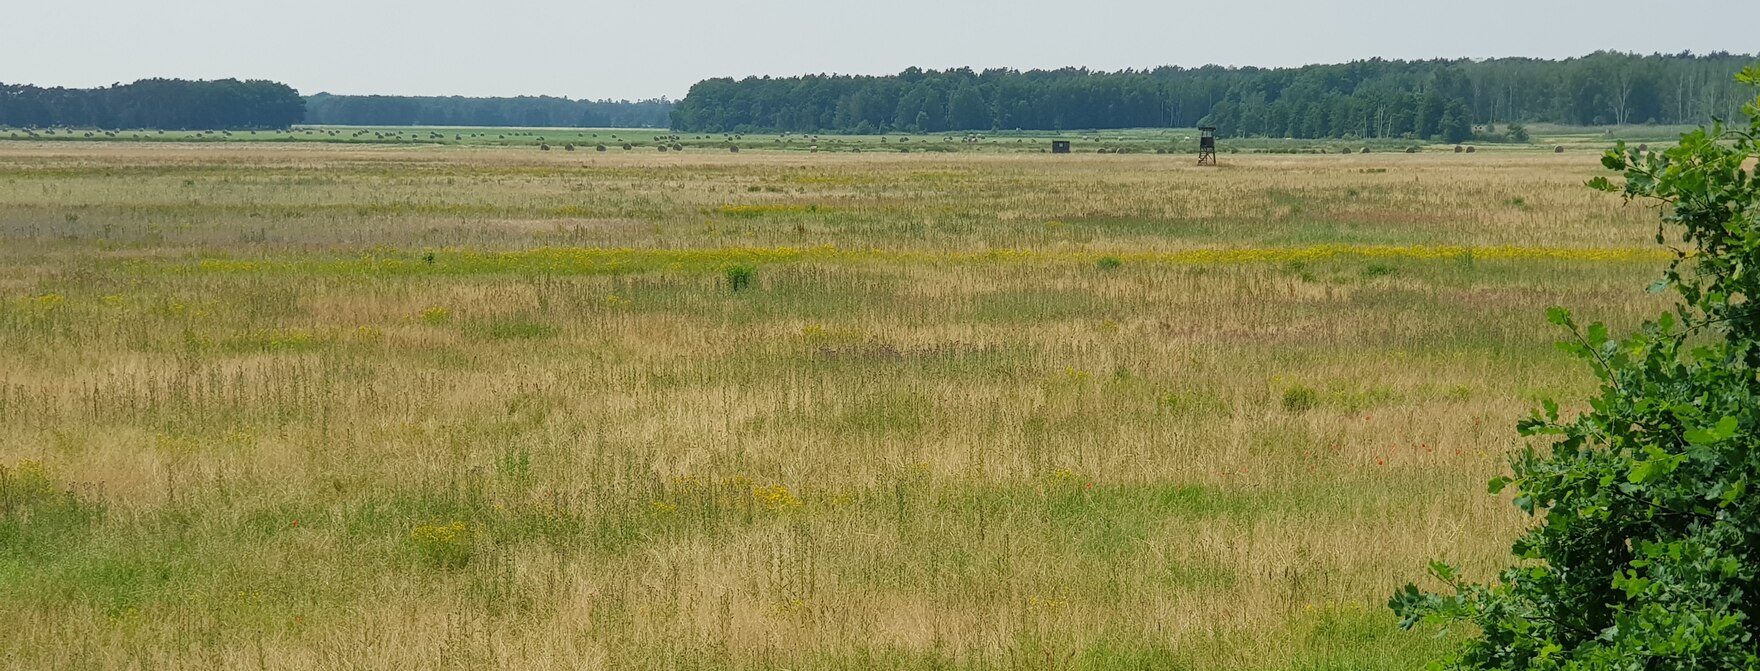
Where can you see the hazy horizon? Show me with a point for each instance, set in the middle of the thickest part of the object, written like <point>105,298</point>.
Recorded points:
<point>540,47</point>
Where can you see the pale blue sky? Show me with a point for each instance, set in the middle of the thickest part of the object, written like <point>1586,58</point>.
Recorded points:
<point>635,50</point>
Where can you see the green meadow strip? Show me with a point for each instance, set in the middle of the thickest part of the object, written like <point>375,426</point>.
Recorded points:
<point>598,260</point>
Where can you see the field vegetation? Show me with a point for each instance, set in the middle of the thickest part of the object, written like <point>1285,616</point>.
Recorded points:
<point>1172,141</point>
<point>310,405</point>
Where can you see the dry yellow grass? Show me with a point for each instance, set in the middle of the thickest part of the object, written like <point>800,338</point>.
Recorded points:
<point>325,407</point>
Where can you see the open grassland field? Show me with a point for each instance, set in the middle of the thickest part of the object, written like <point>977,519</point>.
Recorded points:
<point>1178,141</point>
<point>313,406</point>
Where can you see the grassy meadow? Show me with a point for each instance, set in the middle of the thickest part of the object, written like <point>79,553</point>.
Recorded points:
<point>321,406</point>
<point>1545,137</point>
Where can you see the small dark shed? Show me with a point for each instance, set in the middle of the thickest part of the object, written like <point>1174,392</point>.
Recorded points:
<point>1060,146</point>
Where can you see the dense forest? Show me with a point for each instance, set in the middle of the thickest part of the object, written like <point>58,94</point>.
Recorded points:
<point>174,104</point>
<point>1440,99</point>
<point>171,104</point>
<point>542,111</point>
<point>1434,99</point>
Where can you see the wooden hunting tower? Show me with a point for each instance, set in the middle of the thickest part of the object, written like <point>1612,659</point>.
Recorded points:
<point>1060,146</point>
<point>1207,145</point>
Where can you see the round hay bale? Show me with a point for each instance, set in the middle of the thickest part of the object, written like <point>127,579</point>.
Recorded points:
<point>1411,150</point>
<point>1558,149</point>
<point>544,147</point>
<point>600,147</point>
<point>1365,150</point>
<point>1344,150</point>
<point>1458,149</point>
<point>1643,147</point>
<point>1469,150</point>
<point>733,149</point>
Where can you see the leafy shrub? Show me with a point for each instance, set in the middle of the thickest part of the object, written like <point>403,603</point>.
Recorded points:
<point>1646,549</point>
<point>739,277</point>
<point>1300,398</point>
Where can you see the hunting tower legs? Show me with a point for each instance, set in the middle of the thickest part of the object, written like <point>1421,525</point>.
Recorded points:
<point>1207,146</point>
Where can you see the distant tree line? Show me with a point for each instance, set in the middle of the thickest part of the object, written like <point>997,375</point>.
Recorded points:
<point>176,104</point>
<point>171,104</point>
<point>1434,99</point>
<point>541,111</point>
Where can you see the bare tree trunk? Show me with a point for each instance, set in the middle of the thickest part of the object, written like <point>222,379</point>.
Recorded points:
<point>1622,96</point>
<point>1680,97</point>
<point>1708,103</point>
